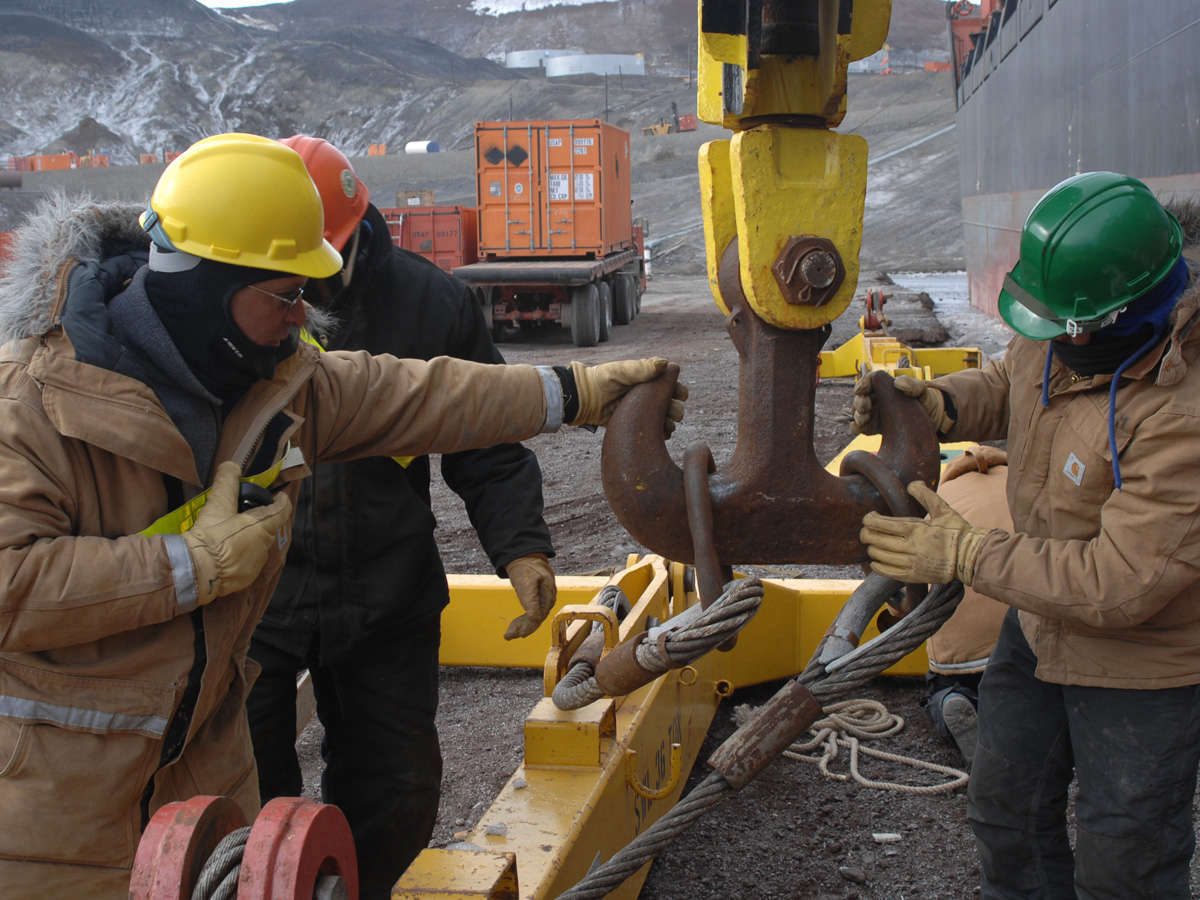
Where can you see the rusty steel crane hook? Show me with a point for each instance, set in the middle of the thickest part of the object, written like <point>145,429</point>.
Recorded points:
<point>774,502</point>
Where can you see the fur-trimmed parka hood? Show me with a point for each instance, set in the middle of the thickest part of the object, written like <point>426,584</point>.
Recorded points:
<point>60,231</point>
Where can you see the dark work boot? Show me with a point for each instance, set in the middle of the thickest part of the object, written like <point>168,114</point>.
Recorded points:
<point>963,723</point>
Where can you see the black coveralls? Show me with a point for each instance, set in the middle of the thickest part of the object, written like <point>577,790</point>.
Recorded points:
<point>360,599</point>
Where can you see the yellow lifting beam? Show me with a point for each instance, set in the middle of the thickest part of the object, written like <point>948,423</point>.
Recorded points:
<point>878,350</point>
<point>594,778</point>
<point>873,348</point>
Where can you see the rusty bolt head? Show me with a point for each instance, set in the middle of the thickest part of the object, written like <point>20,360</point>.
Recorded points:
<point>808,270</point>
<point>819,268</point>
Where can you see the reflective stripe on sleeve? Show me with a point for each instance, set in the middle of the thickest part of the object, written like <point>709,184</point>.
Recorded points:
<point>182,571</point>
<point>554,398</point>
<point>76,717</point>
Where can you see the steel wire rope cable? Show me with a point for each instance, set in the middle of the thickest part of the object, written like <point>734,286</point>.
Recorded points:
<point>675,643</point>
<point>218,877</point>
<point>848,724</point>
<point>842,675</point>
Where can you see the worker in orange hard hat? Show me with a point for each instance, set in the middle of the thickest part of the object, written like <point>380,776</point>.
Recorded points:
<point>360,598</point>
<point>154,389</point>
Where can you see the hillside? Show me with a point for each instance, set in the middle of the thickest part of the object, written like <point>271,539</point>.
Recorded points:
<point>912,218</point>
<point>156,76</point>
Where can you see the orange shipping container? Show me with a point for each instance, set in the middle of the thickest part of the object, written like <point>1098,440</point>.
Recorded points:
<point>51,161</point>
<point>6,239</point>
<point>688,122</point>
<point>445,235</point>
<point>557,188</point>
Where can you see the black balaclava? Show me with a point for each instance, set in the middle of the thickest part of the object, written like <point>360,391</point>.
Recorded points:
<point>194,306</point>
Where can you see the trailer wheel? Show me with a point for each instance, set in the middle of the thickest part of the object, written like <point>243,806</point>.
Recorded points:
<point>624,299</point>
<point>585,315</point>
<point>606,310</point>
<point>485,296</point>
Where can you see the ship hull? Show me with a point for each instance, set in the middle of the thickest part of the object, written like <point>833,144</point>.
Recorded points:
<point>1069,86</point>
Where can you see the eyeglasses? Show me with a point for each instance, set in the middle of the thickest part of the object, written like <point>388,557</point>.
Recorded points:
<point>286,301</point>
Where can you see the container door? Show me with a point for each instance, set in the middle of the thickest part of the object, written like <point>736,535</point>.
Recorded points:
<point>447,237</point>
<point>573,186</point>
<point>507,166</point>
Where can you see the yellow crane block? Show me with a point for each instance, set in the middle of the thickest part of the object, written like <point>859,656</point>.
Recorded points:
<point>732,85</point>
<point>791,182</point>
<point>770,184</point>
<point>785,177</point>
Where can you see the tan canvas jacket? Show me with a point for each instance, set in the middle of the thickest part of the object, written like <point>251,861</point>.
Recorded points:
<point>97,632</point>
<point>1107,581</point>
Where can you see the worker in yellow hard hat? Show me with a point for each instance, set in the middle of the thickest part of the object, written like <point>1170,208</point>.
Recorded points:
<point>360,598</point>
<point>154,390</point>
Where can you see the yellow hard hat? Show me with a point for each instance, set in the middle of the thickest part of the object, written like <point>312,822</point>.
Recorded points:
<point>244,200</point>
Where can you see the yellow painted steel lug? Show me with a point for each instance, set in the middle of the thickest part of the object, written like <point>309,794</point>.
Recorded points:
<point>568,737</point>
<point>771,184</point>
<point>564,646</point>
<point>681,587</point>
<point>796,182</point>
<point>460,875</point>
<point>736,81</point>
<point>716,202</point>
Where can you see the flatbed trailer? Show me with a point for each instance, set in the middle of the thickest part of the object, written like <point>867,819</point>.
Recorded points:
<point>588,296</point>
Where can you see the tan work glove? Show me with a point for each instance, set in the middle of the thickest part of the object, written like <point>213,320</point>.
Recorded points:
<point>533,580</point>
<point>935,550</point>
<point>229,548</point>
<point>866,417</point>
<point>601,388</point>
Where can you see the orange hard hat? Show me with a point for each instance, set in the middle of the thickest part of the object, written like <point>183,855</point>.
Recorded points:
<point>343,194</point>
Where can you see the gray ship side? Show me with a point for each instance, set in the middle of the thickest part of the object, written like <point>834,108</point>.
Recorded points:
<point>1051,88</point>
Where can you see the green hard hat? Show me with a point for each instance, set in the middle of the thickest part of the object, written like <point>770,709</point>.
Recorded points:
<point>1094,243</point>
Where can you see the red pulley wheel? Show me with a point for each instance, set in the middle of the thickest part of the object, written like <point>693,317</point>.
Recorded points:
<point>294,843</point>
<point>176,844</point>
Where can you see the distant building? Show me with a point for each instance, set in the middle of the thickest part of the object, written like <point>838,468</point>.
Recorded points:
<point>532,59</point>
<point>596,64</point>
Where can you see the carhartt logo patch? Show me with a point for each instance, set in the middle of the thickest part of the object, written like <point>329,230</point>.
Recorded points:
<point>1074,468</point>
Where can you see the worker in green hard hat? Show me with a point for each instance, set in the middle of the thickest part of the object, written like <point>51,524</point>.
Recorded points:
<point>1096,672</point>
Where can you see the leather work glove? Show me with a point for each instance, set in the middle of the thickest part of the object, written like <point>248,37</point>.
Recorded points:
<point>229,548</point>
<point>533,580</point>
<point>935,550</point>
<point>933,401</point>
<point>601,387</point>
